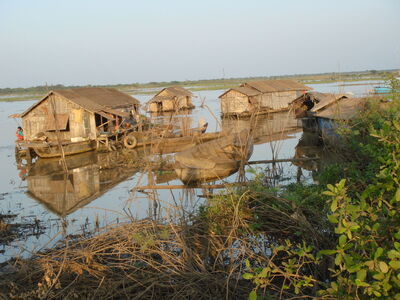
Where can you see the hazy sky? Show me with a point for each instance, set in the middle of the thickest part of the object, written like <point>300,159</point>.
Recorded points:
<point>79,42</point>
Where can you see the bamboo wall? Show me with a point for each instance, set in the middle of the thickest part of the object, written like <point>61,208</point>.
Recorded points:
<point>81,123</point>
<point>175,102</point>
<point>234,102</point>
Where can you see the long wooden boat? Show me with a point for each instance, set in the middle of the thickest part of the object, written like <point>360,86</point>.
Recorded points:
<point>215,159</point>
<point>53,149</point>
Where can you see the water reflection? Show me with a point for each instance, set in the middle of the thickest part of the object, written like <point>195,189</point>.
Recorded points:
<point>89,176</point>
<point>265,128</point>
<point>315,154</point>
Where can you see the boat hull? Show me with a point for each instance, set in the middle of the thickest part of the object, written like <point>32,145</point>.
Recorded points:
<point>69,149</point>
<point>194,175</point>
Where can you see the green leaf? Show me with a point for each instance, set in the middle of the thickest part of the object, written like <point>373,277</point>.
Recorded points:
<point>393,254</point>
<point>338,259</point>
<point>327,252</point>
<point>378,276</point>
<point>248,276</point>
<point>370,264</point>
<point>376,293</point>
<point>362,274</point>
<point>397,246</point>
<point>397,195</point>
<point>331,187</point>
<point>334,205</point>
<point>253,295</point>
<point>333,219</point>
<point>342,240</point>
<point>395,264</point>
<point>248,264</point>
<point>341,183</point>
<point>378,253</point>
<point>328,193</point>
<point>264,273</point>
<point>383,267</point>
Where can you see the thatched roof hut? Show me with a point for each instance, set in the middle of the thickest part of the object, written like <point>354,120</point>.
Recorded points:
<point>312,102</point>
<point>77,113</point>
<point>257,97</point>
<point>171,99</point>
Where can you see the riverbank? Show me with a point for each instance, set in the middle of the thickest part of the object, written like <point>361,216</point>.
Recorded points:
<point>23,94</point>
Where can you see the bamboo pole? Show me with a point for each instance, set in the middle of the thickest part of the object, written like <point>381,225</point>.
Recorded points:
<point>272,161</point>
<point>177,187</point>
<point>64,162</point>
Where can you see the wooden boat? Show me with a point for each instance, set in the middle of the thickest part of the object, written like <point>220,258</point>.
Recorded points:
<point>52,149</point>
<point>215,159</point>
<point>166,137</point>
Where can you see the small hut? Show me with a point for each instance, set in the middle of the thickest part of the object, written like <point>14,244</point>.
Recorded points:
<point>170,99</point>
<point>75,115</point>
<point>312,102</point>
<point>322,113</point>
<point>259,97</point>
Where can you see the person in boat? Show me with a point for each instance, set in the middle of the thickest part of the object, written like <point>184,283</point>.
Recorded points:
<point>19,134</point>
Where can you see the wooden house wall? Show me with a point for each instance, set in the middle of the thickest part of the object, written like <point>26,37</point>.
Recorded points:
<point>234,102</point>
<point>173,103</point>
<point>277,100</point>
<point>181,102</point>
<point>168,105</point>
<point>189,102</point>
<point>81,122</point>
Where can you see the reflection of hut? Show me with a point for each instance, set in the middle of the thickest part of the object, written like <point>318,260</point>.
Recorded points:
<point>171,99</point>
<point>258,97</point>
<point>74,116</point>
<point>89,176</point>
<point>65,193</point>
<point>266,128</point>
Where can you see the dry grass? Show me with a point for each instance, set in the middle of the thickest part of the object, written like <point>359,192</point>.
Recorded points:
<point>140,260</point>
<point>200,258</point>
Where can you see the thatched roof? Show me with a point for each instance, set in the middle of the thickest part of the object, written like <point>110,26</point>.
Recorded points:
<point>325,100</point>
<point>243,90</point>
<point>92,99</point>
<point>281,85</point>
<point>344,109</point>
<point>173,91</point>
<point>320,100</point>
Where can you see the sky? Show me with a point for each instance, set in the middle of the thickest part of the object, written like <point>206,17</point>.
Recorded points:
<point>80,42</point>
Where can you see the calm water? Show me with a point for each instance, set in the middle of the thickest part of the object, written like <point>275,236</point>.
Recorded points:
<point>97,190</point>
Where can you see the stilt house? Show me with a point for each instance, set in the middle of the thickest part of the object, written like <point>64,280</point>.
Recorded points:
<point>259,97</point>
<point>77,114</point>
<point>171,99</point>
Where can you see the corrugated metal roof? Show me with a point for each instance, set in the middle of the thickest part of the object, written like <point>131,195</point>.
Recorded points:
<point>281,85</point>
<point>93,99</point>
<point>174,91</point>
<point>344,109</point>
<point>243,90</point>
